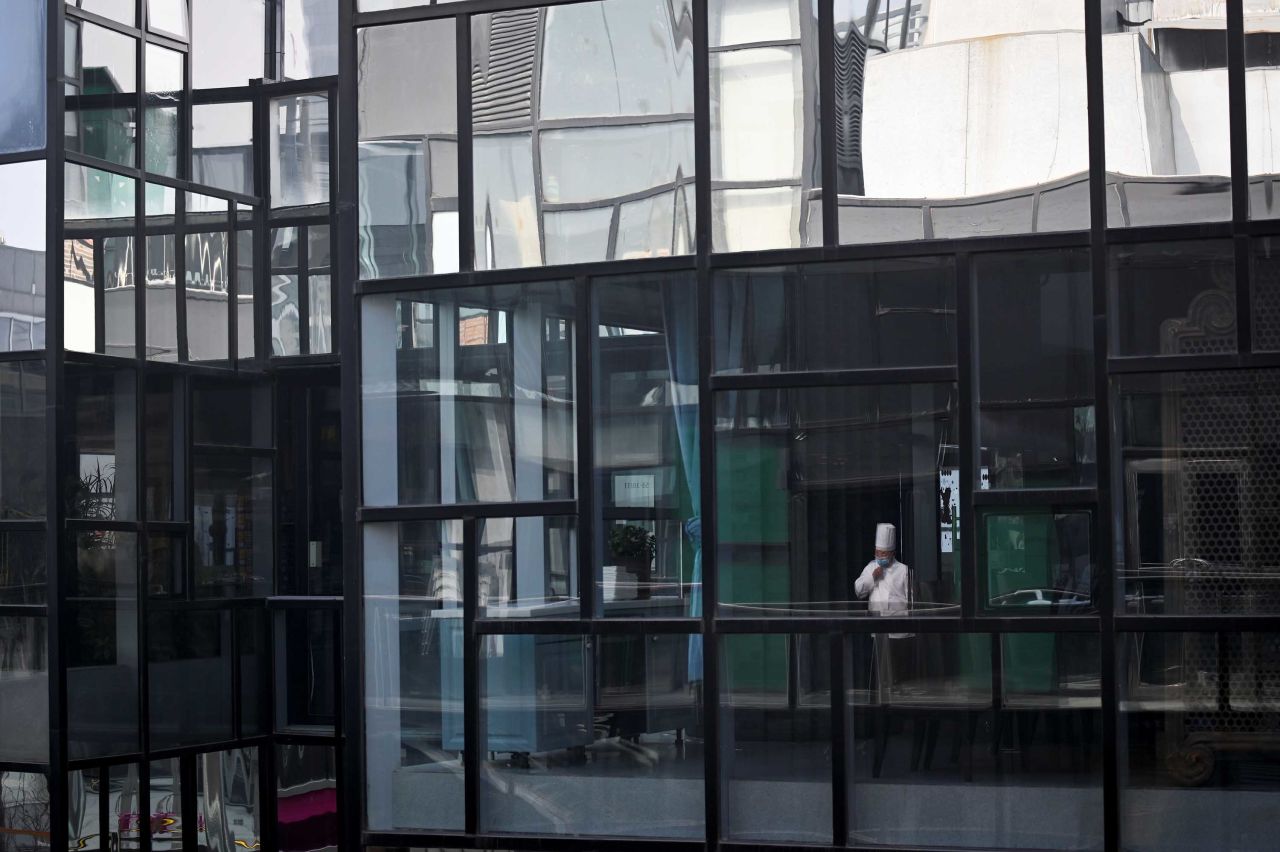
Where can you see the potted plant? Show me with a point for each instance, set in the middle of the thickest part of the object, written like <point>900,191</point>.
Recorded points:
<point>633,548</point>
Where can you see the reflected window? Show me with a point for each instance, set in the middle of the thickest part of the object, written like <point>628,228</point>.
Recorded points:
<point>222,153</point>
<point>1037,562</point>
<point>207,297</point>
<point>162,297</point>
<point>101,84</point>
<point>165,93</point>
<point>1173,298</point>
<point>302,320</point>
<point>23,437</point>
<point>100,445</point>
<point>22,254</point>
<point>528,567</point>
<point>299,139</point>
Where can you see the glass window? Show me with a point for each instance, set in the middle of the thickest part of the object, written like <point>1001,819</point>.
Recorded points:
<point>877,313</point>
<point>469,395</point>
<point>528,567</point>
<point>80,294</point>
<point>93,197</point>
<point>228,38</point>
<point>222,146</point>
<point>169,16</point>
<point>307,659</point>
<point>1265,274</point>
<point>228,797</point>
<point>233,542</point>
<point>1038,562</point>
<point>319,291</point>
<point>255,667</point>
<point>118,293</point>
<point>101,92</point>
<point>775,738</point>
<point>23,436</point>
<point>286,314</point>
<point>766,168</point>
<point>934,760</point>
<point>299,151</point>
<point>1197,723</point>
<point>1173,298</point>
<point>943,128</point>
<point>119,10</point>
<point>246,327</point>
<point>413,634</point>
<point>207,297</point>
<point>645,360</point>
<point>408,150</point>
<point>165,817</point>
<point>1168,145</point>
<point>24,691</point>
<point>614,176</point>
<point>162,297</point>
<point>310,38</point>
<point>631,773</point>
<point>22,89</point>
<point>166,566</point>
<point>23,567</point>
<point>1034,340</point>
<point>189,677</point>
<point>100,445</point>
<point>24,808</point>
<point>232,414</point>
<point>1201,487</point>
<point>124,796</point>
<point>306,798</point>
<point>165,94</point>
<point>102,653</point>
<point>84,804</point>
<point>22,253</point>
<point>804,481</point>
<point>163,492</point>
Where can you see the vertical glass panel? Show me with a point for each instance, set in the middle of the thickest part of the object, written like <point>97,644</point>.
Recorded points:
<point>207,297</point>
<point>162,297</point>
<point>307,659</point>
<point>166,565</point>
<point>84,806</point>
<point>22,89</point>
<point>80,274</point>
<point>23,568</point>
<point>24,691</point>
<point>100,445</point>
<point>222,146</point>
<point>935,760</point>
<point>165,93</point>
<point>306,799</point>
<point>878,313</point>
<point>943,128</point>
<point>1038,562</point>
<point>169,16</point>
<point>119,318</point>
<point>1165,93</point>
<point>165,817</point>
<point>101,92</point>
<point>246,327</point>
<point>319,291</point>
<point>469,395</point>
<point>286,334</point>
<point>1034,340</point>
<point>232,514</point>
<point>1265,282</point>
<point>414,729</point>
<point>23,436</point>
<point>1261,60</point>
<point>623,109</point>
<point>645,364</point>
<point>528,567</point>
<point>102,653</point>
<point>24,810</point>
<point>229,816</point>
<point>1173,298</point>
<point>227,42</point>
<point>1197,457</point>
<point>119,10</point>
<point>163,491</point>
<point>232,414</point>
<point>408,148</point>
<point>806,478</point>
<point>189,677</point>
<point>299,151</point>
<point>255,668</point>
<point>766,169</point>
<point>22,254</point>
<point>310,38</point>
<point>775,734</point>
<point>124,798</point>
<point>1197,723</point>
<point>552,771</point>
<point>309,465</point>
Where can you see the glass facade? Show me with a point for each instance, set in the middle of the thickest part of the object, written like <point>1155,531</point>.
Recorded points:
<point>639,424</point>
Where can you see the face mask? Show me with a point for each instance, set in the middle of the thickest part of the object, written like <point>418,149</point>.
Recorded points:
<point>884,561</point>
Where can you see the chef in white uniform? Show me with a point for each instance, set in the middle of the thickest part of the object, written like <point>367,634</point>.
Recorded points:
<point>885,581</point>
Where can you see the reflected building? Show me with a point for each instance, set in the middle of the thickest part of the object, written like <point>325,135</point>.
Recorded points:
<point>474,424</point>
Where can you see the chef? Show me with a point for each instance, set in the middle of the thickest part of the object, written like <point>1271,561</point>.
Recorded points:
<point>885,580</point>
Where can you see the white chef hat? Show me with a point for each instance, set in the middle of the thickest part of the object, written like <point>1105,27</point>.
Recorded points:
<point>886,537</point>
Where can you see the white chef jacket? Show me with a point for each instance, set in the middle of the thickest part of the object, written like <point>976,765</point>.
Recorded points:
<point>891,594</point>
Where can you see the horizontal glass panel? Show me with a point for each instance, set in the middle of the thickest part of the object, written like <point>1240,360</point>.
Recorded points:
<point>528,567</point>
<point>1038,562</point>
<point>469,395</point>
<point>23,436</point>
<point>119,10</point>
<point>189,677</point>
<point>92,197</point>
<point>24,693</point>
<point>551,769</point>
<point>775,735</point>
<point>101,92</point>
<point>413,634</point>
<point>22,256</point>
<point>1173,298</point>
<point>806,478</point>
<point>1197,457</point>
<point>22,91</point>
<point>227,42</point>
<point>878,313</point>
<point>1196,740</point>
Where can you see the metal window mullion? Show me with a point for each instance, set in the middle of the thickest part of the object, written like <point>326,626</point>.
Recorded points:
<point>584,394</point>
<point>303,289</point>
<point>473,731</point>
<point>827,122</point>
<point>968,455</point>
<point>180,274</point>
<point>466,135</point>
<point>841,778</point>
<point>98,282</point>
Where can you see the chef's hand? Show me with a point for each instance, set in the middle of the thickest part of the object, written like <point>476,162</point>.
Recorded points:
<point>878,574</point>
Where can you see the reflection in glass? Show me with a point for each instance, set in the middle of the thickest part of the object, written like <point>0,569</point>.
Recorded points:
<point>286,316</point>
<point>101,92</point>
<point>775,734</point>
<point>879,313</point>
<point>587,736</point>
<point>229,816</point>
<point>310,38</point>
<point>1165,97</point>
<point>207,296</point>
<point>1265,273</point>
<point>189,677</point>
<point>90,195</point>
<point>165,818</point>
<point>168,16</point>
<point>231,414</point>
<point>306,798</point>
<point>1037,562</point>
<point>163,494</point>
<point>232,516</point>
<point>79,296</point>
<point>117,283</point>
<point>22,254</point>
<point>1034,340</point>
<point>165,89</point>
<point>222,146</point>
<point>23,436</point>
<point>803,479</point>
<point>408,150</point>
<point>246,327</point>
<point>765,165</point>
<point>469,395</point>
<point>22,94</point>
<point>254,653</point>
<point>1173,298</point>
<point>614,176</point>
<point>413,653</point>
<point>100,445</point>
<point>166,566</point>
<point>528,567</point>
<point>307,660</point>
<point>24,690</point>
<point>299,151</point>
<point>118,10</point>
<point>84,829</point>
<point>23,569</point>
<point>1006,740</point>
<point>124,793</point>
<point>1196,740</point>
<point>161,296</point>
<point>227,42</point>
<point>1197,456</point>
